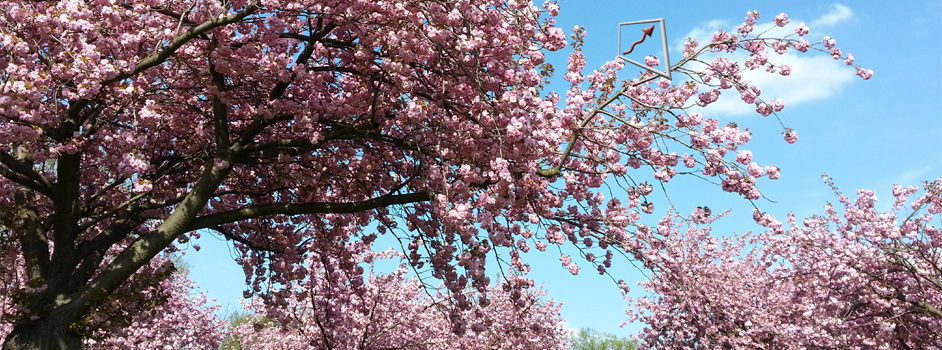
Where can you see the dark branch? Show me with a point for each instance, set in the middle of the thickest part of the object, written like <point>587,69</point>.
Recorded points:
<point>22,180</point>
<point>302,59</point>
<point>179,41</point>
<point>220,111</point>
<point>116,231</point>
<point>299,146</point>
<point>149,245</point>
<point>333,69</point>
<point>66,209</point>
<point>184,20</point>
<point>23,174</point>
<point>257,126</point>
<point>32,236</point>
<point>242,240</point>
<point>255,211</point>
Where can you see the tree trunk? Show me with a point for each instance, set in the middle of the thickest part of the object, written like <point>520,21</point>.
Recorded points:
<point>45,334</point>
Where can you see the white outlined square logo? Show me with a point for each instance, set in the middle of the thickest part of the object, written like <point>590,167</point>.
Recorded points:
<point>628,33</point>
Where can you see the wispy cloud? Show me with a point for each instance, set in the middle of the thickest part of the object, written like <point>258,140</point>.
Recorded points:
<point>913,177</point>
<point>814,76</point>
<point>569,329</point>
<point>812,79</point>
<point>839,13</point>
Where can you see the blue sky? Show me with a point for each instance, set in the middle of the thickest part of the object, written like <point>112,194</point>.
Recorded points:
<point>865,134</point>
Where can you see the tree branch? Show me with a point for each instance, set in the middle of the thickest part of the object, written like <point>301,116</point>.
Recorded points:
<point>242,240</point>
<point>179,41</point>
<point>254,211</point>
<point>66,211</point>
<point>555,170</point>
<point>220,111</point>
<point>24,174</point>
<point>149,245</point>
<point>32,237</point>
<point>257,126</point>
<point>116,231</point>
<point>303,57</point>
<point>298,146</point>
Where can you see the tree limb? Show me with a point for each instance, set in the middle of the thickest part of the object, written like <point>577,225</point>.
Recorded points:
<point>24,174</point>
<point>179,41</point>
<point>242,240</point>
<point>254,211</point>
<point>303,57</point>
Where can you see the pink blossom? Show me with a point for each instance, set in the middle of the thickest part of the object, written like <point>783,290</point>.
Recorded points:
<point>302,130</point>
<point>763,109</point>
<point>836,53</point>
<point>772,172</point>
<point>781,20</point>
<point>801,30</point>
<point>665,175</point>
<point>551,7</point>
<point>754,170</point>
<point>789,283</point>
<point>690,47</point>
<point>744,157</point>
<point>555,39</point>
<point>565,259</point>
<point>645,188</point>
<point>748,96</point>
<point>689,161</point>
<point>747,27</point>
<point>790,135</point>
<point>866,74</point>
<point>802,45</point>
<point>647,207</point>
<point>708,97</point>
<point>142,186</point>
<point>652,61</point>
<point>850,60</point>
<point>395,311</point>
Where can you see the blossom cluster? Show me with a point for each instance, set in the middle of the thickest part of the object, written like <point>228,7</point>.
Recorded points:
<point>166,315</point>
<point>293,126</point>
<point>859,278</point>
<point>341,306</point>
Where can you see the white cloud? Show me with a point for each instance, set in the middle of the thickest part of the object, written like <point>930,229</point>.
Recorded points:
<point>704,32</point>
<point>569,329</point>
<point>814,76</point>
<point>912,177</point>
<point>839,13</point>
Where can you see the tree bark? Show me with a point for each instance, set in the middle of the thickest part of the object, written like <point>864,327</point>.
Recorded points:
<point>51,333</point>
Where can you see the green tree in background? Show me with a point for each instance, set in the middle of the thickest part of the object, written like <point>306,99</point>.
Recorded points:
<point>590,339</point>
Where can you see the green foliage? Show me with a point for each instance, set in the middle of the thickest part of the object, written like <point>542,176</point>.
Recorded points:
<point>237,318</point>
<point>179,262</point>
<point>590,339</point>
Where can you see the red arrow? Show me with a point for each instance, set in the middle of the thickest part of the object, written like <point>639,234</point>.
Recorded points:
<point>647,32</point>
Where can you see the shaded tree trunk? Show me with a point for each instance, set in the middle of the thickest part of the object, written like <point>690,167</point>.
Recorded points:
<point>52,333</point>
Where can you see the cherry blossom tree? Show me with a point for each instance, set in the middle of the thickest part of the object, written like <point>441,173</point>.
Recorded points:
<point>128,126</point>
<point>149,315</point>
<point>183,321</point>
<point>336,306</point>
<point>857,279</point>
